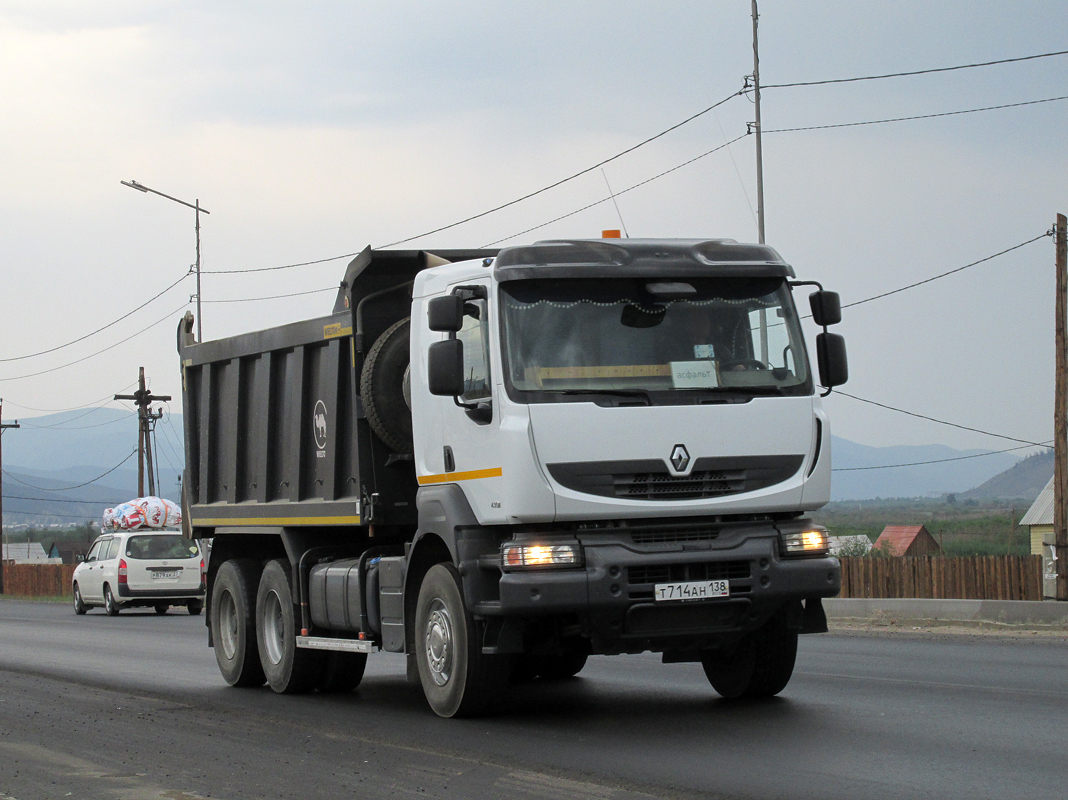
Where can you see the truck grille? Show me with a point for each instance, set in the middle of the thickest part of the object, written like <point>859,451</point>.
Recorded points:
<point>677,573</point>
<point>669,536</point>
<point>650,479</point>
<point>663,486</point>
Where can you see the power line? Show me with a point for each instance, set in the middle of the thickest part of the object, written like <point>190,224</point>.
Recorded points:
<point>76,427</point>
<point>937,460</point>
<point>939,421</point>
<point>59,500</point>
<point>915,72</point>
<point>50,514</point>
<point>570,177</point>
<point>98,352</point>
<point>921,116</point>
<point>98,330</point>
<point>624,191</point>
<point>274,297</point>
<point>272,269</point>
<point>94,404</point>
<point>944,274</point>
<point>68,488</point>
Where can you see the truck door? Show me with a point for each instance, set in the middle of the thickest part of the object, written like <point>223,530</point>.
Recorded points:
<point>469,449</point>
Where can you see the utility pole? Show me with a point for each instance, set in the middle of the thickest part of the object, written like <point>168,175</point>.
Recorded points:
<point>146,421</point>
<point>756,126</point>
<point>3,427</point>
<point>1060,414</point>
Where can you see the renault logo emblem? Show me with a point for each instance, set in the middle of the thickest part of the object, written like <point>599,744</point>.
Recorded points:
<point>680,458</point>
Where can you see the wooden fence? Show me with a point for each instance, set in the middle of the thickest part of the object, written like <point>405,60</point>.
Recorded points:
<point>943,577</point>
<point>38,580</point>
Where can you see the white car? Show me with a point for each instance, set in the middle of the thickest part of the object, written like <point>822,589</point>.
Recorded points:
<point>156,568</point>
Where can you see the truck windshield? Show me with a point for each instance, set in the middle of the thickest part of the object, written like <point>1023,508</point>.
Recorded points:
<point>663,340</point>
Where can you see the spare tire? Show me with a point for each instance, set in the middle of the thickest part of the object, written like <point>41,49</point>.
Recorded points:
<point>382,388</point>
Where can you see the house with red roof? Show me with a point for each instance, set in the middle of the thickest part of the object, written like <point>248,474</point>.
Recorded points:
<point>907,540</point>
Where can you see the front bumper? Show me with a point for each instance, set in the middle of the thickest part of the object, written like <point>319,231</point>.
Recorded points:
<point>612,595</point>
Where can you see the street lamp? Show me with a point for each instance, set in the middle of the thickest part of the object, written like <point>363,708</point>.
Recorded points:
<point>195,205</point>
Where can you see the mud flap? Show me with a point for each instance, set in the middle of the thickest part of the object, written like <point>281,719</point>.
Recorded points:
<point>813,619</point>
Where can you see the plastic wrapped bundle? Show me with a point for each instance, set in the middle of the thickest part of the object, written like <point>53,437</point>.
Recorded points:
<point>143,512</point>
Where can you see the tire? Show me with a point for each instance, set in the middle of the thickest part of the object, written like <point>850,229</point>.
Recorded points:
<point>195,607</point>
<point>458,679</point>
<point>382,388</point>
<point>233,622</point>
<point>730,672</point>
<point>161,608</point>
<point>561,667</point>
<point>775,651</point>
<point>111,608</point>
<point>79,605</point>
<point>760,666</point>
<point>288,669</point>
<point>341,672</point>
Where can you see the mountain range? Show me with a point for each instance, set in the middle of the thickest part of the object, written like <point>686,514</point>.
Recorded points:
<point>48,458</point>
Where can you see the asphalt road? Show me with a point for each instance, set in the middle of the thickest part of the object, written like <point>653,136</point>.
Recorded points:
<point>133,707</point>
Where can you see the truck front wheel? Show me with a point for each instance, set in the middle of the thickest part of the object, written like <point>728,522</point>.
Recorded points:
<point>233,628</point>
<point>457,678</point>
<point>759,666</point>
<point>288,669</point>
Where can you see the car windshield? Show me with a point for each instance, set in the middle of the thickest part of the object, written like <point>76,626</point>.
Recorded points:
<point>644,337</point>
<point>161,546</point>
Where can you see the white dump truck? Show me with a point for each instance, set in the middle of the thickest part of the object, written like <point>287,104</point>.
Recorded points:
<point>503,462</point>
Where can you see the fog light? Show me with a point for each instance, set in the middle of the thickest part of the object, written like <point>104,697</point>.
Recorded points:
<point>533,556</point>
<point>812,542</point>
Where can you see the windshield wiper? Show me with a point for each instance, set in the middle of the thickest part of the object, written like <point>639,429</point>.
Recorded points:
<point>640,393</point>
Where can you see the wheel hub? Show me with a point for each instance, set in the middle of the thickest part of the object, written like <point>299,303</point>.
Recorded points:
<point>273,628</point>
<point>439,643</point>
<point>228,625</point>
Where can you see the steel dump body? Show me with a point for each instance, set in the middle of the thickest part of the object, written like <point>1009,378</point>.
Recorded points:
<point>275,433</point>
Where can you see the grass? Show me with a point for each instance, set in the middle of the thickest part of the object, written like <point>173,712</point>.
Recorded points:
<point>962,529</point>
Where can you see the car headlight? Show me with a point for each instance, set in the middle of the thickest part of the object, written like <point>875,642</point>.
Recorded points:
<point>540,556</point>
<point>810,542</point>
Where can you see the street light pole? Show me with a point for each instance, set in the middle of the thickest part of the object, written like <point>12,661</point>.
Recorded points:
<point>195,205</point>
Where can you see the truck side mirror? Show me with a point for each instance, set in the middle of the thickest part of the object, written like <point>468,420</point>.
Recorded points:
<point>446,313</point>
<point>445,367</point>
<point>831,355</point>
<point>826,307</point>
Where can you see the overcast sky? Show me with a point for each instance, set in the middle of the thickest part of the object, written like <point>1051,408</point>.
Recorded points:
<point>312,130</point>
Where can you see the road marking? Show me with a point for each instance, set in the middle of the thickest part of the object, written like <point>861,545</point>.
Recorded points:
<point>125,786</point>
<point>999,689</point>
<point>549,786</point>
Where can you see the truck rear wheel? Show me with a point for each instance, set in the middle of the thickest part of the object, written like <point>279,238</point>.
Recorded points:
<point>458,679</point>
<point>233,623</point>
<point>288,669</point>
<point>382,388</point>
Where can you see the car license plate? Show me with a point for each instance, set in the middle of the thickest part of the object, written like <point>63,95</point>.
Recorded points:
<point>165,574</point>
<point>692,590</point>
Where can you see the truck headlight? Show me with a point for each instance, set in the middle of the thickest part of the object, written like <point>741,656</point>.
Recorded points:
<point>540,556</point>
<point>811,542</point>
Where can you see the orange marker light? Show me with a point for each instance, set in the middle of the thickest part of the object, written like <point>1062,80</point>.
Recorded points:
<point>611,234</point>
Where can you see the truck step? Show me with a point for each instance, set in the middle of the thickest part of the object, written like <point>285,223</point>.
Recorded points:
<point>326,643</point>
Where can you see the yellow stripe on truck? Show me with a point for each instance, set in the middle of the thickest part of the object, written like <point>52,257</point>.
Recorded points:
<point>450,477</point>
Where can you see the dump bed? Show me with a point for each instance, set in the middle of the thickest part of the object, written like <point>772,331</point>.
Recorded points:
<point>276,434</point>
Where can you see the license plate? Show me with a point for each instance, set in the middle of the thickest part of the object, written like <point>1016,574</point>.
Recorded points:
<point>165,574</point>
<point>692,590</point>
